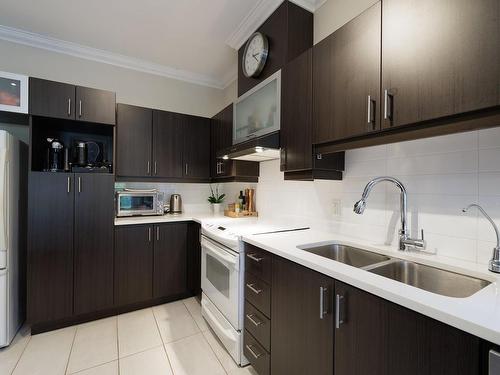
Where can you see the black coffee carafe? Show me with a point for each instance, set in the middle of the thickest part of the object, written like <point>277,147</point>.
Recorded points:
<point>55,155</point>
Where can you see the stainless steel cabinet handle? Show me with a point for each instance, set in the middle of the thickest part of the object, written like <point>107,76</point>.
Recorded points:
<point>148,168</point>
<point>254,322</point>
<point>369,109</point>
<point>69,106</point>
<point>155,168</point>
<point>339,302</point>
<point>252,352</point>
<point>254,257</point>
<point>186,168</point>
<point>79,184</point>
<point>252,288</point>
<point>157,233</point>
<point>69,184</point>
<point>149,234</point>
<point>323,309</point>
<point>388,105</point>
<point>80,109</point>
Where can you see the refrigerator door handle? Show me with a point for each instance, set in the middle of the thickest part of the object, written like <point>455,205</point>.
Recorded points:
<point>3,211</point>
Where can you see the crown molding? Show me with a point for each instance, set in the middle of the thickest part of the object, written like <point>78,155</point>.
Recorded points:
<point>84,52</point>
<point>259,14</point>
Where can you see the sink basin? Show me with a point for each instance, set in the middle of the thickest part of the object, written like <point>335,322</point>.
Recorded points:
<point>345,254</point>
<point>431,279</point>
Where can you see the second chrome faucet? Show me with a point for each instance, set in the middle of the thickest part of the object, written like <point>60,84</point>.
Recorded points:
<point>404,239</point>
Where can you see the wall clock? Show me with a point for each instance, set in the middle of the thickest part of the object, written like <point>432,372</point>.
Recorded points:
<point>255,55</point>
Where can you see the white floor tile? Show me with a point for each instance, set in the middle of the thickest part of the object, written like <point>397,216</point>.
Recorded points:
<point>193,356</point>
<point>150,362</point>
<point>194,308</point>
<point>47,353</point>
<point>137,332</point>
<point>224,358</point>
<point>96,343</point>
<point>110,368</point>
<point>10,355</point>
<point>174,321</point>
<point>243,371</point>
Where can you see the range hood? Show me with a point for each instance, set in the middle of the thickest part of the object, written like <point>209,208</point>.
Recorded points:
<point>263,148</point>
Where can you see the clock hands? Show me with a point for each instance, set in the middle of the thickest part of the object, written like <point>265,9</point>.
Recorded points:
<point>255,56</point>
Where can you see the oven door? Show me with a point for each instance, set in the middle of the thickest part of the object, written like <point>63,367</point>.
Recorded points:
<point>220,278</point>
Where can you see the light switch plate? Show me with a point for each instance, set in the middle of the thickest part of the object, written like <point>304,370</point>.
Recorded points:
<point>336,207</point>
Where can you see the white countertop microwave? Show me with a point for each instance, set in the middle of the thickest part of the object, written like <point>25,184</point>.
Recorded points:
<point>13,92</point>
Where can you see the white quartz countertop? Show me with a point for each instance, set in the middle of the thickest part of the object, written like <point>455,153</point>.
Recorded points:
<point>478,314</point>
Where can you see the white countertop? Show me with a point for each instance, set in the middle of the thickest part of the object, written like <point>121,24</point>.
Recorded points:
<point>478,314</point>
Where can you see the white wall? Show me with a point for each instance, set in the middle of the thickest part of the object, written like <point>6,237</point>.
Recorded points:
<point>131,87</point>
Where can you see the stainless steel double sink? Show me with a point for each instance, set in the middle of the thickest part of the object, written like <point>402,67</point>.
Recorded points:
<point>424,277</point>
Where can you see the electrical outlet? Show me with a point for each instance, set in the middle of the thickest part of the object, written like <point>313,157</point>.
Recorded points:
<point>336,207</point>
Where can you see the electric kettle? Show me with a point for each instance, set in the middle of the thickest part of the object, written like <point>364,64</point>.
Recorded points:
<point>175,204</point>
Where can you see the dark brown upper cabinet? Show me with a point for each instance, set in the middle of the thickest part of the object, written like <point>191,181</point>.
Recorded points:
<point>290,32</point>
<point>221,137</point>
<point>51,99</point>
<point>170,260</point>
<point>133,140</point>
<point>440,58</point>
<point>94,105</point>
<point>297,155</point>
<point>64,101</point>
<point>302,318</point>
<point>93,254</point>
<point>167,144</point>
<point>346,79</point>
<point>196,151</point>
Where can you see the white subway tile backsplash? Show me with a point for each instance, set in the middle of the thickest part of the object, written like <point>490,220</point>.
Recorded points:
<point>488,138</point>
<point>489,160</point>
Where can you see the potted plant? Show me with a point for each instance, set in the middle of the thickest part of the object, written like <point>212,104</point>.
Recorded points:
<point>216,199</point>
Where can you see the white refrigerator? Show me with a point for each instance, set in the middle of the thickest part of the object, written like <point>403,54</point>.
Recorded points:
<point>13,176</point>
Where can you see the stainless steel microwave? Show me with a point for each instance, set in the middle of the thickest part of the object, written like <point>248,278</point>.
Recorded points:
<point>131,202</point>
<point>13,92</point>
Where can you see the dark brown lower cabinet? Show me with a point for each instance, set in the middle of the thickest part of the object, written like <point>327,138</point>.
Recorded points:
<point>93,242</point>
<point>133,264</point>
<point>380,337</point>
<point>170,260</point>
<point>301,320</point>
<point>194,258</point>
<point>50,246</point>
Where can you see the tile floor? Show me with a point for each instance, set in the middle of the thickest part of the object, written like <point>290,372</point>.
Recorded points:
<point>170,339</point>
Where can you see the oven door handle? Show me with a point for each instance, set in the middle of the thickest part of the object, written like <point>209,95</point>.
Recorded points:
<point>221,255</point>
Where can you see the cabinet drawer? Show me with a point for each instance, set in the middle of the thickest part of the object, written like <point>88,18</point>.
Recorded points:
<point>256,354</point>
<point>258,262</point>
<point>258,293</point>
<point>258,325</point>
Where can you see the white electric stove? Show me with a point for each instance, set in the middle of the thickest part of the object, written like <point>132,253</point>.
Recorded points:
<point>222,276</point>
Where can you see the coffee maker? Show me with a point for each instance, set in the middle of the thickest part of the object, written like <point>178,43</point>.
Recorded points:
<point>55,155</point>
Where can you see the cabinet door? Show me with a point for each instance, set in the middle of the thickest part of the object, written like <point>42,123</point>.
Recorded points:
<point>93,105</point>
<point>440,58</point>
<point>301,320</point>
<point>133,264</point>
<point>93,242</point>
<point>194,258</point>
<point>50,246</point>
<point>296,114</point>
<point>347,96</point>
<point>51,99</point>
<point>221,138</point>
<point>360,339</point>
<point>167,144</point>
<point>133,141</point>
<point>170,260</point>
<point>196,147</point>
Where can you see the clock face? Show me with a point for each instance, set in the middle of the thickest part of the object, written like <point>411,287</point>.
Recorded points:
<point>255,55</point>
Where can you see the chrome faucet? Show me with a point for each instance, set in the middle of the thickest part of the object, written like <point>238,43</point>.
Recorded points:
<point>404,239</point>
<point>494,264</point>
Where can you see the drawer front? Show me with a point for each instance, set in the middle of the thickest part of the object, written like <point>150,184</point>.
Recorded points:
<point>258,293</point>
<point>256,354</point>
<point>258,262</point>
<point>258,325</point>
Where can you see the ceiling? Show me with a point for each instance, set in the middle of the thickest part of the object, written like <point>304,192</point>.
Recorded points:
<point>193,40</point>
